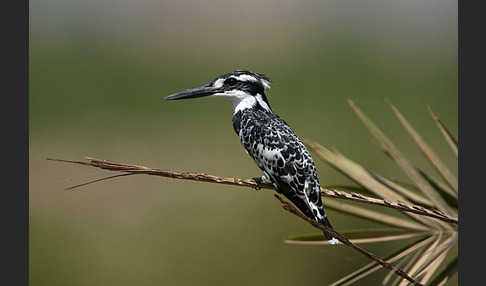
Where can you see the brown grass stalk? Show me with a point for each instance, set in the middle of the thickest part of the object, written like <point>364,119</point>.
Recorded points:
<point>128,169</point>
<point>288,207</point>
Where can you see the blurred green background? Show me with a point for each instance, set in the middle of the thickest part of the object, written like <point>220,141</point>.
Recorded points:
<point>99,71</point>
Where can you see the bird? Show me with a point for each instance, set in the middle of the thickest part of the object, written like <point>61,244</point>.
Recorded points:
<point>269,140</point>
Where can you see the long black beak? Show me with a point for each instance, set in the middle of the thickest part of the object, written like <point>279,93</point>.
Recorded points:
<point>200,91</point>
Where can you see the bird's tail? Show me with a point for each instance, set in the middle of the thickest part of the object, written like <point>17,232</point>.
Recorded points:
<point>324,221</point>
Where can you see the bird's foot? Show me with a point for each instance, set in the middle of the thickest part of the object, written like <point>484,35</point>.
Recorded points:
<point>259,183</point>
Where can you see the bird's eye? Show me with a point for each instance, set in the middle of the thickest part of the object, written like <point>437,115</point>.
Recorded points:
<point>230,81</point>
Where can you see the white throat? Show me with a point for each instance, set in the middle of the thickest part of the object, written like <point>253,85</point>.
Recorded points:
<point>244,102</point>
<point>240,104</point>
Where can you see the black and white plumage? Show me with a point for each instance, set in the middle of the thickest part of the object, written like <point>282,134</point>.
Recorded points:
<point>268,139</point>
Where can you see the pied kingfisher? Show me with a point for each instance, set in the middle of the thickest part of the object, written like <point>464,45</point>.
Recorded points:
<point>268,139</point>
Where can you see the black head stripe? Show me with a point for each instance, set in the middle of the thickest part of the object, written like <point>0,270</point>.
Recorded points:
<point>237,73</point>
<point>253,87</point>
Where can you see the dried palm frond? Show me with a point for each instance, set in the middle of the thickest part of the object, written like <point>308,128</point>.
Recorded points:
<point>422,259</point>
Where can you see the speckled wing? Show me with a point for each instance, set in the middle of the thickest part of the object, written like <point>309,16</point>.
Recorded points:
<point>283,158</point>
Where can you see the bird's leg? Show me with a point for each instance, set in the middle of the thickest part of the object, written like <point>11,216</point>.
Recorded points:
<point>260,180</point>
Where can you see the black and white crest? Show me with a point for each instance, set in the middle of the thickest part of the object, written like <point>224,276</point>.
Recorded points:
<point>248,88</point>
<point>268,139</point>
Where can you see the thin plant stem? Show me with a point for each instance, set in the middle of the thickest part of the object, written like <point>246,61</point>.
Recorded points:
<point>288,207</point>
<point>128,169</point>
